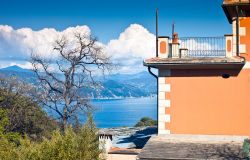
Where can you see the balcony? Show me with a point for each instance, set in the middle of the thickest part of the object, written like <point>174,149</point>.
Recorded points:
<point>196,53</point>
<point>201,47</point>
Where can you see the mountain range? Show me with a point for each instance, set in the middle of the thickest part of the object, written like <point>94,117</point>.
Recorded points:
<point>112,86</point>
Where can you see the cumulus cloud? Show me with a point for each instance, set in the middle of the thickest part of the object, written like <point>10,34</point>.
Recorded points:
<point>22,64</point>
<point>133,45</point>
<point>19,44</point>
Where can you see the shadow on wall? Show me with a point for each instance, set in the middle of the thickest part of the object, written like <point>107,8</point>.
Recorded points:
<point>205,73</point>
<point>140,138</point>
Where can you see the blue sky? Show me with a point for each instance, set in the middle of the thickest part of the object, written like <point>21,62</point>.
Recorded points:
<point>108,18</point>
<point>129,24</point>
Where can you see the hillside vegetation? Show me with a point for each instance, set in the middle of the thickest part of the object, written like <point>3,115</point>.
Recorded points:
<point>145,122</point>
<point>28,133</point>
<point>70,145</point>
<point>25,117</point>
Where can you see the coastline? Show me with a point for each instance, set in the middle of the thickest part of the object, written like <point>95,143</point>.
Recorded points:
<point>122,98</point>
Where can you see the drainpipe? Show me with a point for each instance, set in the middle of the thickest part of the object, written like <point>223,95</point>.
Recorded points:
<point>149,70</point>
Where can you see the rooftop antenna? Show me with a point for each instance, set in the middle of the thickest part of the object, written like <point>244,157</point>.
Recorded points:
<point>173,25</point>
<point>156,32</point>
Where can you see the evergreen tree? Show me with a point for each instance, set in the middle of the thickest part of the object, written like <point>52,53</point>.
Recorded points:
<point>25,116</point>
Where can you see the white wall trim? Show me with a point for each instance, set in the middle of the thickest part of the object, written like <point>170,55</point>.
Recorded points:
<point>164,103</point>
<point>242,31</point>
<point>242,48</point>
<point>161,125</point>
<point>162,132</point>
<point>164,87</point>
<point>161,80</point>
<point>161,110</point>
<point>162,96</point>
<point>164,118</point>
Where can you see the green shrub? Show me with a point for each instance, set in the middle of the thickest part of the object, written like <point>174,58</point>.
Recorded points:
<point>69,145</point>
<point>146,121</point>
<point>8,140</point>
<point>7,150</point>
<point>4,122</point>
<point>246,148</point>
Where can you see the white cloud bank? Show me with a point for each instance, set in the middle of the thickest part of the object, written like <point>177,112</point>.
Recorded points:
<point>133,45</point>
<point>128,51</point>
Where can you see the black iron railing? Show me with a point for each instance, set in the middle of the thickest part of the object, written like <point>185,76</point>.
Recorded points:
<point>202,46</point>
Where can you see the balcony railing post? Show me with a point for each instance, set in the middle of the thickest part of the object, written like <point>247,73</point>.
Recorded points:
<point>163,47</point>
<point>229,45</point>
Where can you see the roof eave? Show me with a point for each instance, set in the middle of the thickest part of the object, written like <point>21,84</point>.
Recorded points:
<point>227,13</point>
<point>231,5</point>
<point>232,65</point>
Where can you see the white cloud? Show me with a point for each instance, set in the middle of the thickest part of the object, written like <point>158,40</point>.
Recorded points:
<point>133,45</point>
<point>18,44</point>
<point>26,65</point>
<point>22,64</point>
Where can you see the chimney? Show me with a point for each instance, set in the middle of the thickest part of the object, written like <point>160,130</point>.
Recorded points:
<point>175,38</point>
<point>175,46</point>
<point>105,141</point>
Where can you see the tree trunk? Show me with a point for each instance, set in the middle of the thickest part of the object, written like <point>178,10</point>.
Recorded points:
<point>65,119</point>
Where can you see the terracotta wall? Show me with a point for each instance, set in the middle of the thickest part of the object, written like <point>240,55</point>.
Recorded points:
<point>208,104</point>
<point>245,39</point>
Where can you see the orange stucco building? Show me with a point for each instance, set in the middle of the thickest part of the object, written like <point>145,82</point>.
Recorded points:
<point>204,83</point>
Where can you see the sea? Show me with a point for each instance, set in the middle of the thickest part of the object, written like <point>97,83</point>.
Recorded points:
<point>111,113</point>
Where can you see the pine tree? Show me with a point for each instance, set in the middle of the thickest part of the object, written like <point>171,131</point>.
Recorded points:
<point>89,140</point>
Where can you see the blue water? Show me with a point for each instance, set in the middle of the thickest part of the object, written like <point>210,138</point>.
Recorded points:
<point>124,112</point>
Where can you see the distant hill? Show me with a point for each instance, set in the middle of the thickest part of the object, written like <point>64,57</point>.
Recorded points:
<point>113,86</point>
<point>21,73</point>
<point>15,68</point>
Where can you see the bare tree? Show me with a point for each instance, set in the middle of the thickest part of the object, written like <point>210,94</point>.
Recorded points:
<point>64,78</point>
